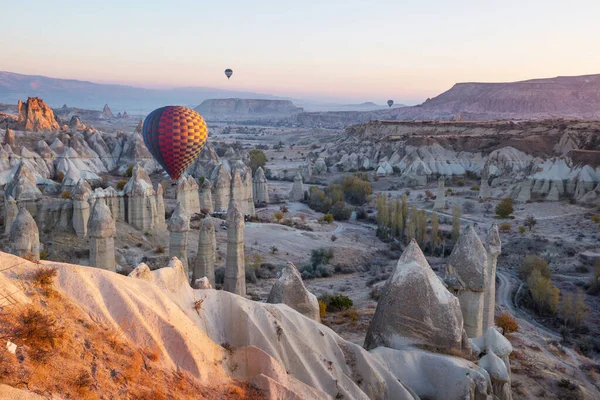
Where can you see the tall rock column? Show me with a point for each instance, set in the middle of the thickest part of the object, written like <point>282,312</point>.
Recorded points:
<point>10,213</point>
<point>141,204</point>
<point>182,193</point>
<point>193,196</point>
<point>24,236</point>
<point>237,190</point>
<point>205,193</point>
<point>493,247</point>
<point>160,205</point>
<point>297,193</point>
<point>484,188</point>
<point>440,200</point>
<point>466,276</point>
<point>101,230</point>
<point>235,269</point>
<point>222,188</point>
<point>179,227</point>
<point>81,207</point>
<point>260,187</point>
<point>248,195</point>
<point>204,265</point>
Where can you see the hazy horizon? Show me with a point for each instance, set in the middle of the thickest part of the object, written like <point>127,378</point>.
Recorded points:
<point>350,52</point>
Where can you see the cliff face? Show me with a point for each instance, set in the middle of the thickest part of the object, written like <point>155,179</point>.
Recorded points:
<point>246,108</point>
<point>36,116</point>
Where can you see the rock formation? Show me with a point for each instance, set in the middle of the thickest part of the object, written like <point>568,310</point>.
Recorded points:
<point>9,137</point>
<point>36,116</point>
<point>524,191</point>
<point>496,362</point>
<point>260,187</point>
<point>204,265</point>
<point>10,213</point>
<point>193,196</point>
<point>493,246</point>
<point>205,193</point>
<point>140,125</point>
<point>22,187</point>
<point>440,200</point>
<point>553,194</point>
<point>160,206</point>
<point>101,230</point>
<point>141,209</point>
<point>237,190</point>
<point>484,188</point>
<point>222,188</point>
<point>106,112</point>
<point>320,166</point>
<point>179,227</point>
<point>297,193</point>
<point>415,308</point>
<point>467,277</point>
<point>248,198</point>
<point>228,109</point>
<point>81,207</point>
<point>290,290</point>
<point>24,236</point>
<point>235,269</point>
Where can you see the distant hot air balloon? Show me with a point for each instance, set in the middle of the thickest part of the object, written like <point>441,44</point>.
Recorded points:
<point>390,103</point>
<point>174,135</point>
<point>228,73</point>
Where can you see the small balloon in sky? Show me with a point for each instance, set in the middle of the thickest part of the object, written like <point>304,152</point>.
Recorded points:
<point>228,73</point>
<point>174,135</point>
<point>390,103</point>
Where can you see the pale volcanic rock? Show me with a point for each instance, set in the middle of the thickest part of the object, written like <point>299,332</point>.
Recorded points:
<point>260,187</point>
<point>235,269</point>
<point>496,362</point>
<point>523,193</point>
<point>106,112</point>
<point>290,290</point>
<point>160,206</point>
<point>440,200</point>
<point>10,213</point>
<point>141,210</point>
<point>36,116</point>
<point>24,237</point>
<point>592,197</point>
<point>179,227</point>
<point>9,137</point>
<point>297,193</point>
<point>202,283</point>
<point>23,188</point>
<point>493,246</point>
<point>81,207</point>
<point>248,198</point>
<point>320,166</point>
<point>193,196</point>
<point>97,144</point>
<point>485,191</point>
<point>102,231</point>
<point>205,194</point>
<point>237,190</point>
<point>222,188</point>
<point>415,308</point>
<point>553,194</point>
<point>204,264</point>
<point>466,275</point>
<point>140,125</point>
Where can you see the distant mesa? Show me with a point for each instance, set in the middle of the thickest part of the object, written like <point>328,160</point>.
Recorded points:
<point>246,108</point>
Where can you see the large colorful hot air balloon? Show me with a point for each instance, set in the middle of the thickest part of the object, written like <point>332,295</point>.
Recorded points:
<point>228,73</point>
<point>174,135</point>
<point>390,103</point>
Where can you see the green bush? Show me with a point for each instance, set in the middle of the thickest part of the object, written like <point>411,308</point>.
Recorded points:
<point>128,172</point>
<point>534,263</point>
<point>337,302</point>
<point>340,211</point>
<point>505,208</point>
<point>327,218</point>
<point>257,159</point>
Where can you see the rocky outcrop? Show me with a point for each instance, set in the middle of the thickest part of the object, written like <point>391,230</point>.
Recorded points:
<point>187,194</point>
<point>415,308</point>
<point>24,236</point>
<point>81,207</point>
<point>36,116</point>
<point>222,188</point>
<point>496,349</point>
<point>204,265</point>
<point>160,206</point>
<point>205,194</point>
<point>553,194</point>
<point>440,200</point>
<point>101,230</point>
<point>22,187</point>
<point>10,213</point>
<point>106,112</point>
<point>467,277</point>
<point>227,109</point>
<point>179,227</point>
<point>260,187</point>
<point>235,269</point>
<point>248,195</point>
<point>493,246</point>
<point>289,289</point>
<point>237,190</point>
<point>297,193</point>
<point>523,192</point>
<point>9,137</point>
<point>141,209</point>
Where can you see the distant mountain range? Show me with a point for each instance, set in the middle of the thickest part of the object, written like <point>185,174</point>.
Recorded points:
<point>82,94</point>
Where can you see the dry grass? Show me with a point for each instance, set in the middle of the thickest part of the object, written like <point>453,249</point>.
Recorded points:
<point>63,352</point>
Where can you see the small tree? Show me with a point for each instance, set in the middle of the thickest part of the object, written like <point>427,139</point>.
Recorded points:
<point>572,309</point>
<point>455,222</point>
<point>545,295</point>
<point>507,323</point>
<point>530,222</point>
<point>327,218</point>
<point>257,159</point>
<point>505,208</point>
<point>274,250</point>
<point>534,263</point>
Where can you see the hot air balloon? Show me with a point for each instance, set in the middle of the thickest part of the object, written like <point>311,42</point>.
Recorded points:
<point>390,103</point>
<point>174,135</point>
<point>228,73</point>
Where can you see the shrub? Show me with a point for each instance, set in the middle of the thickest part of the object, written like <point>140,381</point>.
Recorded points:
<point>429,194</point>
<point>340,211</point>
<point>274,250</point>
<point>338,302</point>
<point>572,309</point>
<point>530,222</point>
<point>505,208</point>
<point>534,263</point>
<point>121,184</point>
<point>522,229</point>
<point>475,187</point>
<point>327,218</point>
<point>278,216</point>
<point>66,194</point>
<point>545,296</point>
<point>59,177</point>
<point>128,172</point>
<point>44,276</point>
<point>505,227</point>
<point>284,209</point>
<point>321,256</point>
<point>333,238</point>
<point>322,309</point>
<point>507,323</point>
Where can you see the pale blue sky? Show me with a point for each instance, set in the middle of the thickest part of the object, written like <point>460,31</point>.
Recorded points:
<point>345,50</point>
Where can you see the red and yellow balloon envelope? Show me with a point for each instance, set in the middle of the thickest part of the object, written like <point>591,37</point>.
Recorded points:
<point>174,135</point>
